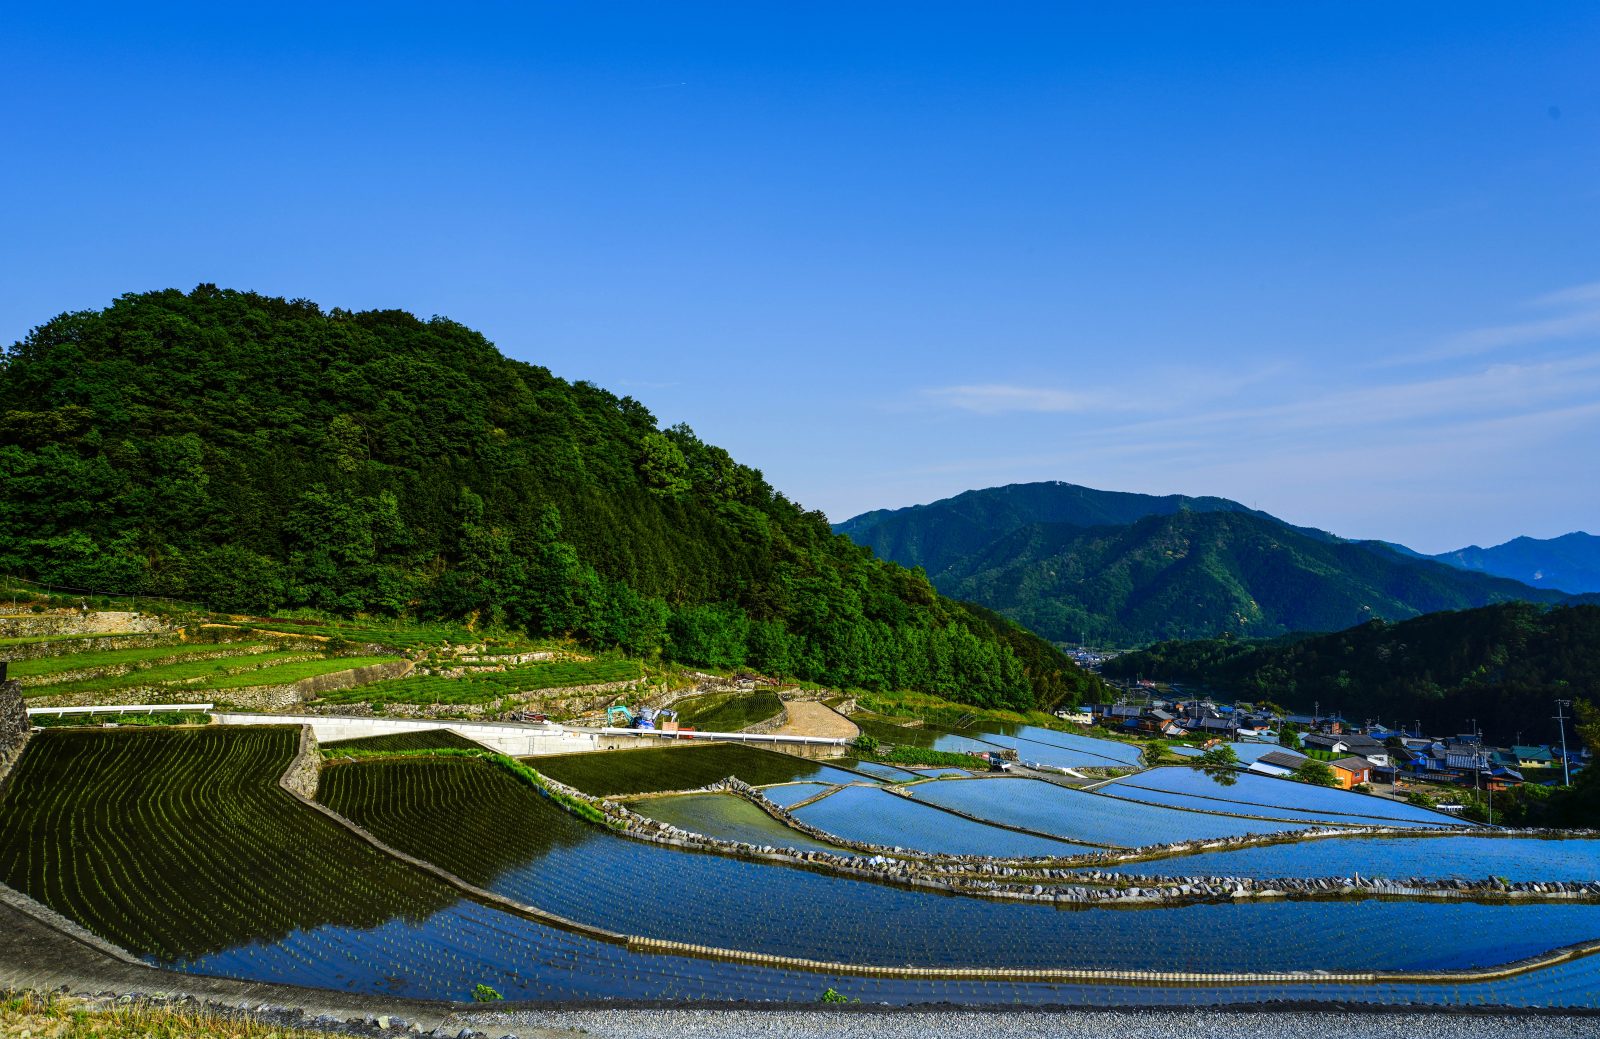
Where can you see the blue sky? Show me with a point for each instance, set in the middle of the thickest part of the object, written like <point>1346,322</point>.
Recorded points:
<point>1338,261</point>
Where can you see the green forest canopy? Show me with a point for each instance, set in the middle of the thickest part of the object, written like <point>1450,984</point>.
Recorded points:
<point>1503,666</point>
<point>260,454</point>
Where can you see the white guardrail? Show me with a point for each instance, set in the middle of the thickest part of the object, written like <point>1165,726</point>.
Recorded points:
<point>741,737</point>
<point>129,708</point>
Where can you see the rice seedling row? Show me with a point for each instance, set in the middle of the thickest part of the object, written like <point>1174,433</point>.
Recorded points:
<point>424,739</point>
<point>728,712</point>
<point>682,768</point>
<point>177,842</point>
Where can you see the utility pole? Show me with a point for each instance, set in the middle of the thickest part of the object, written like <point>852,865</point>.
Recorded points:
<point>1561,720</point>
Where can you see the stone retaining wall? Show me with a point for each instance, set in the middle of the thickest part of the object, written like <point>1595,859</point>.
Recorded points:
<point>772,724</point>
<point>292,694</point>
<point>89,644</point>
<point>75,622</point>
<point>14,726</point>
<point>301,776</point>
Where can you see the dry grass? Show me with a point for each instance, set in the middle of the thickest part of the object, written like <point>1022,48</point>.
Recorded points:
<point>50,1016</point>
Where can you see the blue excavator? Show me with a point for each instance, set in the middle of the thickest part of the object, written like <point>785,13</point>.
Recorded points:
<point>620,717</point>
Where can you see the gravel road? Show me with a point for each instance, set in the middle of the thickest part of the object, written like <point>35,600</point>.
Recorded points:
<point>1013,1024</point>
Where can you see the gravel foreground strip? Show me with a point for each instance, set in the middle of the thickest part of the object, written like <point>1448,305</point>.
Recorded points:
<point>1024,1024</point>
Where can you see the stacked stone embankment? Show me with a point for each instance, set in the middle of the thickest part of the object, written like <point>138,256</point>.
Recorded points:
<point>14,726</point>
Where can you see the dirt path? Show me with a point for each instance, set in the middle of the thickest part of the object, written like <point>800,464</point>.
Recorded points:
<point>809,718</point>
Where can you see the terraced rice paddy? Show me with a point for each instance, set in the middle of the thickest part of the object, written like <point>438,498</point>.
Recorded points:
<point>1081,816</point>
<point>179,845</point>
<point>424,739</point>
<point>1200,804</point>
<point>1045,746</point>
<point>489,685</point>
<point>730,818</point>
<point>793,793</point>
<point>480,823</point>
<point>682,768</point>
<point>728,712</point>
<point>176,843</point>
<point>1064,749</point>
<point>1462,858</point>
<point>881,770</point>
<point>445,955</point>
<point>876,816</point>
<point>1217,794</point>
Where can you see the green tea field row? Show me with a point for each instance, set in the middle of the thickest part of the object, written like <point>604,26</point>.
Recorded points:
<point>491,685</point>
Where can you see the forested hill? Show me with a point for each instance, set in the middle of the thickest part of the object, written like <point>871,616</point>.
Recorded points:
<point>259,454</point>
<point>943,533</point>
<point>1076,563</point>
<point>1192,574</point>
<point>1503,665</point>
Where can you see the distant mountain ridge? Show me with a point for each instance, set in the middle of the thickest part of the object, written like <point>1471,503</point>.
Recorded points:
<point>1570,562</point>
<point>1073,562</point>
<point>936,535</point>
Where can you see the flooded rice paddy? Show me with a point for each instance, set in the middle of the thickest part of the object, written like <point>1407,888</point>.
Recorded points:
<point>355,921</point>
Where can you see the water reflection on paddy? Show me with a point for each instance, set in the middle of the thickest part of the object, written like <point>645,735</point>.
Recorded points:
<point>1078,815</point>
<point>877,816</point>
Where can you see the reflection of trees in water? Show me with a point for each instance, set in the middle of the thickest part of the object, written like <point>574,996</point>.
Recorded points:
<point>179,843</point>
<point>1221,764</point>
<point>461,814</point>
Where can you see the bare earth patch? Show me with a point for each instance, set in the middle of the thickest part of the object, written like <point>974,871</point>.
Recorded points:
<point>809,718</point>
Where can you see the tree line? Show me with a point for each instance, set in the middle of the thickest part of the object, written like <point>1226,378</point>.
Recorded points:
<point>258,454</point>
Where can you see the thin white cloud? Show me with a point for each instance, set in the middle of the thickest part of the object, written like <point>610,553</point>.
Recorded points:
<point>1589,293</point>
<point>1000,399</point>
<point>1581,320</point>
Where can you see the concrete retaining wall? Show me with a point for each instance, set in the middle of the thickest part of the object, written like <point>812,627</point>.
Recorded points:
<point>507,738</point>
